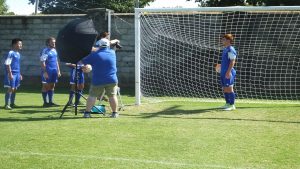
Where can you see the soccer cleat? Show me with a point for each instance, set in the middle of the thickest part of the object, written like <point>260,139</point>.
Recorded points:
<point>53,104</point>
<point>114,115</point>
<point>46,105</point>
<point>87,115</point>
<point>229,108</point>
<point>13,105</point>
<point>225,106</point>
<point>7,107</point>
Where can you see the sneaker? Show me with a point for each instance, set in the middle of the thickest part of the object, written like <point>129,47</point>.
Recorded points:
<point>7,107</point>
<point>46,105</point>
<point>53,104</point>
<point>230,107</point>
<point>114,115</point>
<point>13,105</point>
<point>225,106</point>
<point>87,115</point>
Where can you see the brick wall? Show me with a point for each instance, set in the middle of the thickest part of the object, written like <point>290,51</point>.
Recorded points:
<point>34,30</point>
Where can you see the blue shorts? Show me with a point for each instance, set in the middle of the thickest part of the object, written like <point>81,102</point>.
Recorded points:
<point>52,76</point>
<point>80,77</point>
<point>227,82</point>
<point>14,83</point>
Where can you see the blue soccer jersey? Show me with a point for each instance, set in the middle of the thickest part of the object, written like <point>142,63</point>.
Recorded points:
<point>12,59</point>
<point>104,66</point>
<point>49,56</point>
<point>229,54</point>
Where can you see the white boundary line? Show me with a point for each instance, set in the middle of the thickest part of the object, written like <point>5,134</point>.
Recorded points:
<point>117,159</point>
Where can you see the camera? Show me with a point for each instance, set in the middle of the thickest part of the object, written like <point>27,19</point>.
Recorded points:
<point>118,46</point>
<point>115,43</point>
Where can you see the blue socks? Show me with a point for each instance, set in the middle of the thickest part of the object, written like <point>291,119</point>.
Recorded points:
<point>50,95</point>
<point>71,95</point>
<point>44,95</point>
<point>7,98</point>
<point>230,98</point>
<point>226,96</point>
<point>78,95</point>
<point>12,98</point>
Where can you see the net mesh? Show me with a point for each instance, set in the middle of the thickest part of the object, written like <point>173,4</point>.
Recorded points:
<point>178,51</point>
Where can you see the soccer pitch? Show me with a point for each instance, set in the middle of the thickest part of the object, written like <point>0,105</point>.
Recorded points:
<point>163,135</point>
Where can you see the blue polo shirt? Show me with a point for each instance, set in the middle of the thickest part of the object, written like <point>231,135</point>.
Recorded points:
<point>104,65</point>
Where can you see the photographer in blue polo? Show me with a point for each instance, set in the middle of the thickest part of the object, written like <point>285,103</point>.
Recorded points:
<point>104,78</point>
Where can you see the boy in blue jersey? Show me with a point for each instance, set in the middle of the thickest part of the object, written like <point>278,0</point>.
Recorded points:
<point>12,76</point>
<point>80,81</point>
<point>104,77</point>
<point>228,73</point>
<point>50,71</point>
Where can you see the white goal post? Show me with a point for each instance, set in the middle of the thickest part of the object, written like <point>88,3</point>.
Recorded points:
<point>176,49</point>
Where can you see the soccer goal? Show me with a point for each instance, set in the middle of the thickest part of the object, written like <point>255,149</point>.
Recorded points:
<point>176,49</point>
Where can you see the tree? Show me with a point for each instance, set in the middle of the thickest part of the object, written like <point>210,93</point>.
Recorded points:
<point>81,6</point>
<point>215,3</point>
<point>276,2</point>
<point>3,7</point>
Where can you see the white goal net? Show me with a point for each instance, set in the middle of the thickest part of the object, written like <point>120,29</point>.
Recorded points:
<point>176,50</point>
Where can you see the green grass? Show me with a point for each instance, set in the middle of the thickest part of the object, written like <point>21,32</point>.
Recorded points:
<point>163,135</point>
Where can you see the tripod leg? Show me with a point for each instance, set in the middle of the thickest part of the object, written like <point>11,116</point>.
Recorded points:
<point>121,106</point>
<point>63,111</point>
<point>70,99</point>
<point>101,97</point>
<point>76,88</point>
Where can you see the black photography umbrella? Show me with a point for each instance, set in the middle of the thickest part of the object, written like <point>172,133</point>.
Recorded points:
<point>75,40</point>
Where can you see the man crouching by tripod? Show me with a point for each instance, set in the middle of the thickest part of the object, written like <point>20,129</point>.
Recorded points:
<point>104,78</point>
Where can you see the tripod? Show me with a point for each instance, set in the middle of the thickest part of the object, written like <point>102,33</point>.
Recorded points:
<point>121,105</point>
<point>76,95</point>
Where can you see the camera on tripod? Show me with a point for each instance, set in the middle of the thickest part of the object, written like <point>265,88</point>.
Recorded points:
<point>116,43</point>
<point>118,46</point>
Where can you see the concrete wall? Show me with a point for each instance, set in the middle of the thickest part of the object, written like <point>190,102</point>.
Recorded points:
<point>34,30</point>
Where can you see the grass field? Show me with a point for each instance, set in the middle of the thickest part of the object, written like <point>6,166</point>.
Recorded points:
<point>161,135</point>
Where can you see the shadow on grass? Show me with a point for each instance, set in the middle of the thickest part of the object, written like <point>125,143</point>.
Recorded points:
<point>33,110</point>
<point>173,112</point>
<point>28,119</point>
<point>240,119</point>
<point>45,113</point>
<point>49,118</point>
<point>128,91</point>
